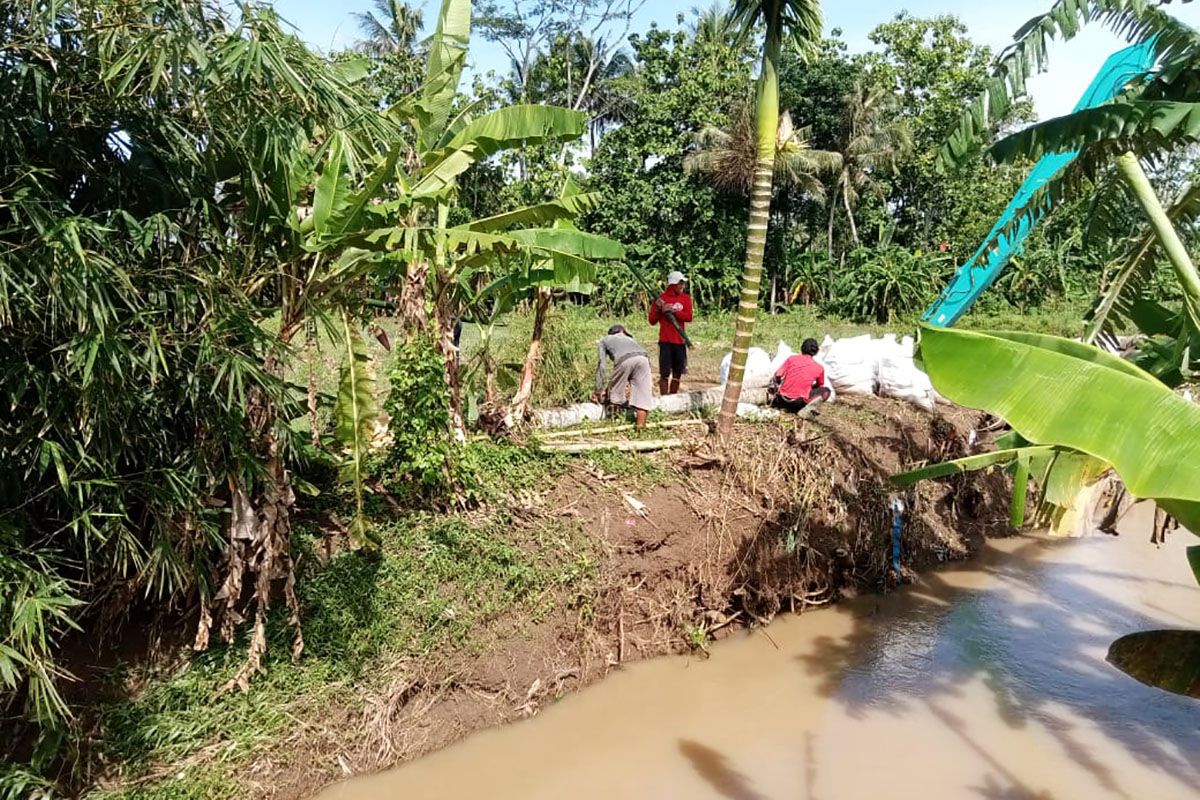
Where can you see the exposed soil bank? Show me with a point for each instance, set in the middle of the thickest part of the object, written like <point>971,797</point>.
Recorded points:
<point>985,679</point>
<point>795,516</point>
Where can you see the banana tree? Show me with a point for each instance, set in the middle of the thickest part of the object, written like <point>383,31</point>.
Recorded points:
<point>797,22</point>
<point>1069,399</point>
<point>545,276</point>
<point>1158,112</point>
<point>391,221</point>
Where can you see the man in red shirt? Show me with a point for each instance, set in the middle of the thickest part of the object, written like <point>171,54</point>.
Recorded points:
<point>800,380</point>
<point>673,304</point>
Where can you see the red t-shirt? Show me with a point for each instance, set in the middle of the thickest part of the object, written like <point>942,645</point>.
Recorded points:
<point>666,331</point>
<point>800,374</point>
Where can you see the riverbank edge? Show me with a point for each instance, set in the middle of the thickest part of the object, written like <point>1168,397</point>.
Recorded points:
<point>796,517</point>
<point>650,555</point>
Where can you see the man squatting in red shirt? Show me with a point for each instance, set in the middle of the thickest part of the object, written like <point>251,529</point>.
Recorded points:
<point>800,380</point>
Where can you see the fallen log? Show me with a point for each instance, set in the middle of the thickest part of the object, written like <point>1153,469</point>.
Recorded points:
<point>575,448</point>
<point>671,423</point>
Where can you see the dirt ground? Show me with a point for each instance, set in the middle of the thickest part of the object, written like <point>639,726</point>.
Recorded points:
<point>791,517</point>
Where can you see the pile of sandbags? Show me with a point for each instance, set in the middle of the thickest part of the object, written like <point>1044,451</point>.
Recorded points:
<point>761,367</point>
<point>898,375</point>
<point>884,366</point>
<point>850,364</point>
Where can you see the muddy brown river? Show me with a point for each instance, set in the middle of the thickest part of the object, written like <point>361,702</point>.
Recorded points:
<point>983,681</point>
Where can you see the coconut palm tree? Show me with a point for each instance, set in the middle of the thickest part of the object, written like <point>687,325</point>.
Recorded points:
<point>391,28</point>
<point>797,22</point>
<point>727,157</point>
<point>715,24</point>
<point>876,139</point>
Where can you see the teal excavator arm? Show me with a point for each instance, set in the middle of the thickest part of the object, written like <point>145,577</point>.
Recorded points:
<point>981,271</point>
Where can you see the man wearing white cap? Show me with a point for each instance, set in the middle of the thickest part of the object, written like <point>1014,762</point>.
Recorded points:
<point>671,312</point>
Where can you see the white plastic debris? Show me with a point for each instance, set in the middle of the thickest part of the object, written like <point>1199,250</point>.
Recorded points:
<point>752,412</point>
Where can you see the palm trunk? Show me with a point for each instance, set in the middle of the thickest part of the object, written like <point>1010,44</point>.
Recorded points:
<point>837,187</point>
<point>1168,237</point>
<point>767,123</point>
<point>850,218</point>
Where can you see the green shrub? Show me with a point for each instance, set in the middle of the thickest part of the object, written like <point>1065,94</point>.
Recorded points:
<point>422,461</point>
<point>886,283</point>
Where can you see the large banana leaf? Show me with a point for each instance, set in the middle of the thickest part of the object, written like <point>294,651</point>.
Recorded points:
<point>1132,20</point>
<point>566,208</point>
<point>570,241</point>
<point>486,135</point>
<point>1155,124</point>
<point>1057,392</point>
<point>354,414</point>
<point>447,57</point>
<point>332,187</point>
<point>572,246</point>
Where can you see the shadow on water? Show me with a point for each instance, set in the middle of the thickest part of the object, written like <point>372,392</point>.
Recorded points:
<point>1035,634</point>
<point>714,767</point>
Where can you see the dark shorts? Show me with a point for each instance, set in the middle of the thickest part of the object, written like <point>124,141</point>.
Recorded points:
<point>672,360</point>
<point>798,404</point>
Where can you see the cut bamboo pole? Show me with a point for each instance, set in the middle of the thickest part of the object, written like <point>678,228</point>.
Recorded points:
<point>575,448</point>
<point>671,423</point>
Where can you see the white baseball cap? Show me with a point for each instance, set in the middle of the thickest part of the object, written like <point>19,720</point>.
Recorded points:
<point>675,276</point>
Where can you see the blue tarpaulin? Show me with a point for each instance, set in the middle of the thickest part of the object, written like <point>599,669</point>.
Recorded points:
<point>981,271</point>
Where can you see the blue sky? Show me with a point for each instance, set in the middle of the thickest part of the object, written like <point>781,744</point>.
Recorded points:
<point>328,24</point>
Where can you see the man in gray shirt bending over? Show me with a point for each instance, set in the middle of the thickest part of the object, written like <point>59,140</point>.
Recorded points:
<point>630,384</point>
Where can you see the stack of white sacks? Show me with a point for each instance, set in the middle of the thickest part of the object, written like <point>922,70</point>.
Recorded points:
<point>857,365</point>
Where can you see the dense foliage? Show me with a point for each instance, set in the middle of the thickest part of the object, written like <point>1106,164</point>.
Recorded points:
<point>185,188</point>
<point>145,192</point>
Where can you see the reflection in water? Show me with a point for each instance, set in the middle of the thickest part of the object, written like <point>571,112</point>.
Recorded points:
<point>715,769</point>
<point>986,681</point>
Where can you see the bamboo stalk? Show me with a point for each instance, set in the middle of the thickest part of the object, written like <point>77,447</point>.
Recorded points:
<point>672,423</point>
<point>575,447</point>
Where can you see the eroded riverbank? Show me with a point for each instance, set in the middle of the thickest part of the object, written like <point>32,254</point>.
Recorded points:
<point>984,680</point>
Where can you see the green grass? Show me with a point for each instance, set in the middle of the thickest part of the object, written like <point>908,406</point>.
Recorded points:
<point>634,469</point>
<point>433,585</point>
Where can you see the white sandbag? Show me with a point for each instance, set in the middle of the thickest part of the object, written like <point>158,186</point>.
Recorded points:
<point>851,365</point>
<point>782,354</point>
<point>828,384</point>
<point>900,378</point>
<point>568,417</point>
<point>758,368</point>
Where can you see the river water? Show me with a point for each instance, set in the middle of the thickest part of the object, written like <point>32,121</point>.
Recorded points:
<point>983,681</point>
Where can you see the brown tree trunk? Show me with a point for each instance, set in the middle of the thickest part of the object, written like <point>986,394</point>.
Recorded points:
<point>449,354</point>
<point>520,404</point>
<point>411,307</point>
<point>260,530</point>
<point>850,218</point>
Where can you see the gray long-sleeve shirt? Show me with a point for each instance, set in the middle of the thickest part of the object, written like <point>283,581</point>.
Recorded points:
<point>615,346</point>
